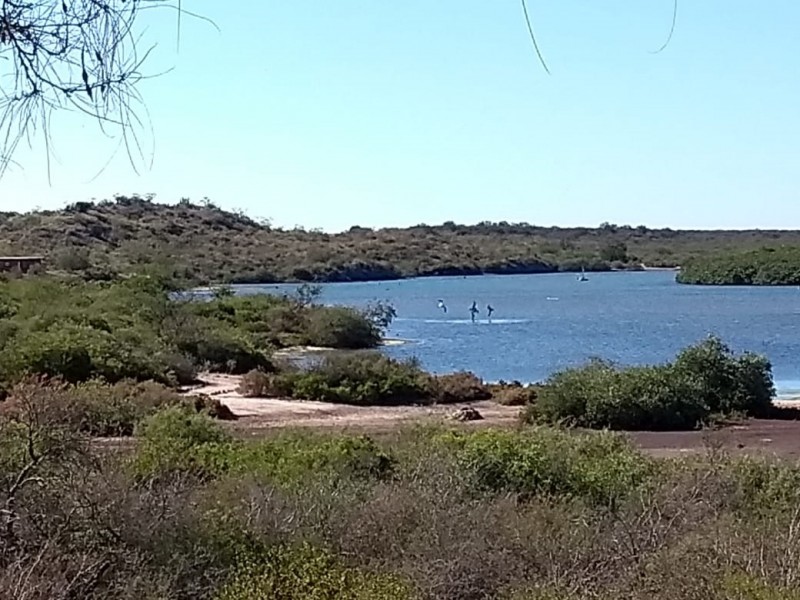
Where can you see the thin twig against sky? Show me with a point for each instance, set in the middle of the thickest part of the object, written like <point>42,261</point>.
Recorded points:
<point>78,55</point>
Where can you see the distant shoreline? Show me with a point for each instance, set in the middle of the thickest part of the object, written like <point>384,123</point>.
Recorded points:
<point>638,269</point>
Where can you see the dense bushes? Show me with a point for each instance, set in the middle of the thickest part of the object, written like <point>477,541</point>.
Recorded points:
<point>279,321</point>
<point>765,266</point>
<point>99,409</point>
<point>341,327</point>
<point>136,329</point>
<point>285,573</point>
<point>426,514</point>
<point>364,378</point>
<point>367,379</point>
<point>600,468</point>
<point>459,387</point>
<point>703,381</point>
<point>177,440</point>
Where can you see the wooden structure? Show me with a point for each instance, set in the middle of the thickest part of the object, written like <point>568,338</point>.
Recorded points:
<point>19,263</point>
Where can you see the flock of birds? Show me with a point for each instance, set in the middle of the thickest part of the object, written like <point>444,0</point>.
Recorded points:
<point>473,310</point>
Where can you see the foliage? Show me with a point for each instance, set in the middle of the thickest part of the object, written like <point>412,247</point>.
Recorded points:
<point>310,573</point>
<point>341,327</point>
<point>768,265</point>
<point>98,409</point>
<point>364,378</point>
<point>139,329</point>
<point>263,320</point>
<point>176,440</point>
<point>596,467</point>
<point>60,55</point>
<point>728,383</point>
<point>704,380</point>
<point>369,379</point>
<point>459,387</point>
<point>210,245</point>
<point>173,439</point>
<point>423,513</point>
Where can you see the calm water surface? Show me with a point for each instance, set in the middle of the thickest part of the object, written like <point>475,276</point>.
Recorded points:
<point>543,323</point>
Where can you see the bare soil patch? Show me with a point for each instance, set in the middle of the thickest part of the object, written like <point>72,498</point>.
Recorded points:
<point>266,413</point>
<point>756,436</point>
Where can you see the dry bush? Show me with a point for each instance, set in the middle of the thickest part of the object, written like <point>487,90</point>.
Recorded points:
<point>513,394</point>
<point>213,407</point>
<point>102,410</point>
<point>258,384</point>
<point>711,527</point>
<point>459,387</point>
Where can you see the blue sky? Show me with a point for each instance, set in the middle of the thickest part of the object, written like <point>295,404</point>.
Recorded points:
<point>330,114</point>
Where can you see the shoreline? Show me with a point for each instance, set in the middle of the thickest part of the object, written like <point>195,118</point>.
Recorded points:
<point>209,288</point>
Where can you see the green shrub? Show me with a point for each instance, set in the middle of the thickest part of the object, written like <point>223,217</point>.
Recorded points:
<point>363,378</point>
<point>598,467</point>
<point>78,353</point>
<point>99,409</point>
<point>704,380</point>
<point>760,487</point>
<point>763,266</point>
<point>177,439</point>
<point>222,349</point>
<point>290,459</point>
<point>741,586</point>
<point>267,321</point>
<point>292,573</point>
<point>134,329</point>
<point>728,383</point>
<point>340,327</point>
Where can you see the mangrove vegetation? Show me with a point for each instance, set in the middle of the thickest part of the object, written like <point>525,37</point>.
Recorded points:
<point>762,266</point>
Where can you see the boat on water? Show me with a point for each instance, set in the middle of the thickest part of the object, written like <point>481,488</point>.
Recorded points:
<point>582,276</point>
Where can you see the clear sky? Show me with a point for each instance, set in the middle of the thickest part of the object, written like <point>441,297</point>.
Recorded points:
<point>330,114</point>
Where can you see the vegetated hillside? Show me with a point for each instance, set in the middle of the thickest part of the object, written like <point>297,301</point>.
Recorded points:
<point>207,244</point>
<point>764,266</point>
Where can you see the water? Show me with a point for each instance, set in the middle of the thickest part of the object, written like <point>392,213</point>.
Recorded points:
<point>544,323</point>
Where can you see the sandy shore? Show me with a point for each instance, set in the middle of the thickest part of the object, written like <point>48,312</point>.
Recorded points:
<point>260,413</point>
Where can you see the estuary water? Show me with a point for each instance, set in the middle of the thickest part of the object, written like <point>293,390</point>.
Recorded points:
<point>543,323</point>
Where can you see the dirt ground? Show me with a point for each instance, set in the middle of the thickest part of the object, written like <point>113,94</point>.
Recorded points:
<point>259,415</point>
<point>266,413</point>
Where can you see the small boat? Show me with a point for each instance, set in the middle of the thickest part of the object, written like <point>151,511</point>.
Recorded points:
<point>582,276</point>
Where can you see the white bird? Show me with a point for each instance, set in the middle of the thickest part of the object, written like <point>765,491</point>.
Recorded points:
<point>442,305</point>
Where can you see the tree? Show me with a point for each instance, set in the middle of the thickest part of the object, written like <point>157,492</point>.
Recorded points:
<point>71,54</point>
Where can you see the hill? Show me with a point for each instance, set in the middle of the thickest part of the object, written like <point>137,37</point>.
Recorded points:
<point>207,244</point>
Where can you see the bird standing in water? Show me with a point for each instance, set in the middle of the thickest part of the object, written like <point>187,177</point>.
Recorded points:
<point>473,310</point>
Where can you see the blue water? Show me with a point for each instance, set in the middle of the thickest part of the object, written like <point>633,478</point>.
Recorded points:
<point>544,323</point>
